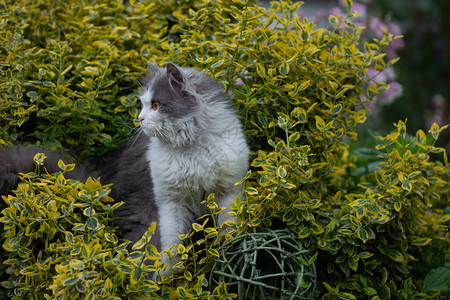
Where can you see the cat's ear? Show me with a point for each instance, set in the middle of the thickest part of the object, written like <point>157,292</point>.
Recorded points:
<point>175,77</point>
<point>153,70</point>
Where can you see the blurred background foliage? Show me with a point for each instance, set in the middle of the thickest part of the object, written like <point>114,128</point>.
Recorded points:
<point>422,75</point>
<point>424,67</point>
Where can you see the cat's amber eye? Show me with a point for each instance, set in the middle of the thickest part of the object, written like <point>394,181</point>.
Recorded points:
<point>155,105</point>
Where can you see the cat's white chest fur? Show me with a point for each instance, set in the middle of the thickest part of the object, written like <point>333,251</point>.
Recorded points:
<point>184,177</point>
<point>212,165</point>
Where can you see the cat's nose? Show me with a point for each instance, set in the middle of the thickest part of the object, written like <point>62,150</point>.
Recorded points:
<point>141,119</point>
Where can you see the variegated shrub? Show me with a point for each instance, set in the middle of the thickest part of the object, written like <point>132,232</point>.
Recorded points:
<point>375,217</point>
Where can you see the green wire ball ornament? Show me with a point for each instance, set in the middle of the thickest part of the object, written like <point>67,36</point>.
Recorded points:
<point>272,264</point>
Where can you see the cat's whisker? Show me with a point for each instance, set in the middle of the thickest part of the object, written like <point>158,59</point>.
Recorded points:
<point>136,133</point>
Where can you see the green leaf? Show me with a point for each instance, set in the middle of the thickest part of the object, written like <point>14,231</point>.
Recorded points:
<point>92,223</point>
<point>303,86</point>
<point>8,284</point>
<point>213,252</point>
<point>320,123</point>
<point>69,237</point>
<point>398,206</point>
<point>437,279</point>
<point>434,130</point>
<point>281,172</point>
<point>395,255</point>
<point>182,292</point>
<point>369,291</point>
<point>71,281</point>
<point>261,70</point>
<point>89,212</point>
<point>334,21</point>
<point>421,241</point>
<point>348,4</point>
<point>364,255</point>
<point>33,96</point>
<point>79,227</point>
<point>284,69</point>
<point>363,235</point>
<point>197,227</point>
<point>343,295</point>
<point>125,269</point>
<point>217,64</point>
<point>61,180</point>
<point>188,275</point>
<point>12,244</point>
<point>353,263</point>
<point>49,84</point>
<point>251,191</point>
<point>136,274</point>
<point>336,109</point>
<point>39,159</point>
<point>288,185</point>
<point>28,271</point>
<point>294,137</point>
<point>91,71</point>
<point>140,244</point>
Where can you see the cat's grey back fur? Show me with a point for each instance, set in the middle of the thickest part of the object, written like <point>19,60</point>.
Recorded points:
<point>129,172</point>
<point>19,159</point>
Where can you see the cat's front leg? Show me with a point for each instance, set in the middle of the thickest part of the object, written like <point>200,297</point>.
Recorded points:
<point>174,220</point>
<point>226,201</point>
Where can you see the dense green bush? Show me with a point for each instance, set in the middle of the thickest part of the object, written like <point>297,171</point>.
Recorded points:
<point>374,217</point>
<point>70,70</point>
<point>61,244</point>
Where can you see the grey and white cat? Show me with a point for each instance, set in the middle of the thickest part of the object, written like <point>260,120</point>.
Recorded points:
<point>193,145</point>
<point>196,146</point>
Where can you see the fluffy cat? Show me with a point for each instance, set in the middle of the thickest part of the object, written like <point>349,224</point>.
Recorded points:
<point>196,146</point>
<point>193,145</point>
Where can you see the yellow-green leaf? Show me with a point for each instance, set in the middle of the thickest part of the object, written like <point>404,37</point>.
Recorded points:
<point>197,227</point>
<point>281,172</point>
<point>39,159</point>
<point>434,130</point>
<point>421,241</point>
<point>395,255</point>
<point>320,123</point>
<point>363,235</point>
<point>260,70</point>
<point>284,69</point>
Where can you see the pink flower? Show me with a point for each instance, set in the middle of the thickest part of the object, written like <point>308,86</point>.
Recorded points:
<point>398,43</point>
<point>376,25</point>
<point>438,101</point>
<point>438,114</point>
<point>321,13</point>
<point>394,29</point>
<point>337,11</point>
<point>239,81</point>
<point>395,90</point>
<point>435,119</point>
<point>371,105</point>
<point>361,9</point>
<point>384,76</point>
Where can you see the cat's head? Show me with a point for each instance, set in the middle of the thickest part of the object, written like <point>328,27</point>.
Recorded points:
<point>169,104</point>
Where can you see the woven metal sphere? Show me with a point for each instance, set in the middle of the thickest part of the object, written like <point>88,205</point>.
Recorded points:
<point>265,265</point>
